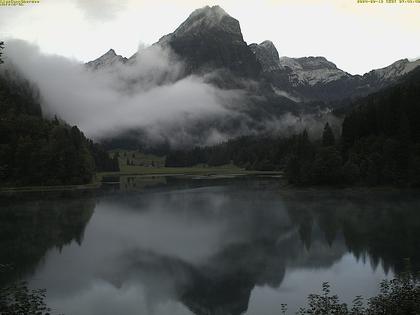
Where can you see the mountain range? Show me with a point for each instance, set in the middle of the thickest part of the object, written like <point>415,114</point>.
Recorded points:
<point>210,39</point>
<point>267,106</point>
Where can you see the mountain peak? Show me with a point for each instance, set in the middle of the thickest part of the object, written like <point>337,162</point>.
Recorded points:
<point>396,69</point>
<point>214,13</point>
<point>268,44</point>
<point>107,59</point>
<point>110,52</point>
<point>315,63</point>
<point>211,39</point>
<point>206,19</point>
<point>210,11</point>
<point>267,55</point>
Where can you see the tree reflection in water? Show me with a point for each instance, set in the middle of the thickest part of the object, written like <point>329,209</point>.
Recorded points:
<point>257,233</point>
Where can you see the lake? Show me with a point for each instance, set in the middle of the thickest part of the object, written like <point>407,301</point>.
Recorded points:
<point>205,245</point>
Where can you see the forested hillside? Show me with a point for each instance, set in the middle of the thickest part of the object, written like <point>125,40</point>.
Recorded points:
<point>381,136</point>
<point>38,151</point>
<point>379,145</point>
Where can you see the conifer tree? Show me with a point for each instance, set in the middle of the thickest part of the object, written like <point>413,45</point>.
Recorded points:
<point>328,138</point>
<point>1,52</point>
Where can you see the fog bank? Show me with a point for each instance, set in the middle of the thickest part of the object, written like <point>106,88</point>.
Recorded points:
<point>149,92</point>
<point>146,93</point>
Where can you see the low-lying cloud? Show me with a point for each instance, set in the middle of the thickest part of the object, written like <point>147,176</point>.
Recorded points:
<point>147,92</point>
<point>314,124</point>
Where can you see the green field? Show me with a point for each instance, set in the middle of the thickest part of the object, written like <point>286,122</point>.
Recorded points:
<point>196,170</point>
<point>131,158</point>
<point>140,170</point>
<point>137,163</point>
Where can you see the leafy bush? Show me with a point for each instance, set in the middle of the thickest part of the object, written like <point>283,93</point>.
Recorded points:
<point>399,296</point>
<point>18,299</point>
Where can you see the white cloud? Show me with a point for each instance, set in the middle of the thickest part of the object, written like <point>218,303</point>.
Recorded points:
<point>101,9</point>
<point>148,94</point>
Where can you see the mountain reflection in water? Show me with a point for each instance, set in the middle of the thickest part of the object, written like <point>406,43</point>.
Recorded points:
<point>205,246</point>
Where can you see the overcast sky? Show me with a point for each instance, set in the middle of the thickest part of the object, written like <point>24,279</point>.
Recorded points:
<point>356,37</point>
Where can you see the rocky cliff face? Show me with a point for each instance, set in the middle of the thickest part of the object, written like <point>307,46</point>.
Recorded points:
<point>106,60</point>
<point>211,45</point>
<point>381,77</point>
<point>267,55</point>
<point>211,39</point>
<point>318,79</point>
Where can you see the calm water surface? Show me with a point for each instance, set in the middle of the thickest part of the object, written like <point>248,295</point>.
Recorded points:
<point>166,245</point>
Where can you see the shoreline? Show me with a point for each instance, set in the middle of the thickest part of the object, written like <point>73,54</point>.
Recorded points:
<point>11,190</point>
<point>206,173</point>
<point>146,172</point>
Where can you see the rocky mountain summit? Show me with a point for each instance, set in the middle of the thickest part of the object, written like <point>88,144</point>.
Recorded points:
<point>316,78</point>
<point>395,70</point>
<point>106,60</point>
<point>210,39</point>
<point>267,55</point>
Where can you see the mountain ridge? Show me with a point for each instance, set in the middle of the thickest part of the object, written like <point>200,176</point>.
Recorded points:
<point>108,59</point>
<point>296,75</point>
<point>210,39</point>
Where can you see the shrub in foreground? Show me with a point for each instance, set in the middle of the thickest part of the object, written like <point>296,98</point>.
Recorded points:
<point>399,296</point>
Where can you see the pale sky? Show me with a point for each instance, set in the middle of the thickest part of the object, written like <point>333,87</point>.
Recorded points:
<point>356,37</point>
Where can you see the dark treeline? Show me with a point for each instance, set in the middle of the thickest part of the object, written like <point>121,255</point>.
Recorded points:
<point>368,229</point>
<point>379,145</point>
<point>252,153</point>
<point>39,151</point>
<point>381,136</point>
<point>28,230</point>
<point>1,51</point>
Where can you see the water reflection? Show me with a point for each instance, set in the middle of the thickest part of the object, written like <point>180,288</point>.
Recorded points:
<point>215,246</point>
<point>28,229</point>
<point>383,227</point>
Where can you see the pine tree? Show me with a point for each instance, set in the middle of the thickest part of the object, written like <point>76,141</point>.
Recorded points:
<point>115,163</point>
<point>404,149</point>
<point>328,138</point>
<point>1,53</point>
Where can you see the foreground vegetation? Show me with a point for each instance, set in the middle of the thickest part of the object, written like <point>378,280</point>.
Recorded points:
<point>18,299</point>
<point>400,296</point>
